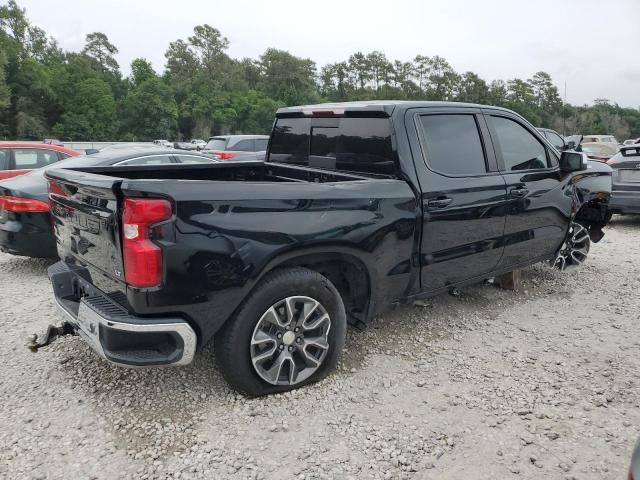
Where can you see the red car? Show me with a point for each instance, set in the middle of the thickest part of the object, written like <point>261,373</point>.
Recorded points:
<point>18,158</point>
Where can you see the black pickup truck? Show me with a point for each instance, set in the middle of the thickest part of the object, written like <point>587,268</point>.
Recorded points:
<point>357,206</point>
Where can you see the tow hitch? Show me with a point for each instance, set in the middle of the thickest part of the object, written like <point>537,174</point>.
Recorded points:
<point>53,332</point>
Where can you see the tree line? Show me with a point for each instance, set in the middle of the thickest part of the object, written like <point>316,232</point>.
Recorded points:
<point>48,92</point>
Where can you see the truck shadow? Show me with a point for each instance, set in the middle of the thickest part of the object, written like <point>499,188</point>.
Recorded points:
<point>29,267</point>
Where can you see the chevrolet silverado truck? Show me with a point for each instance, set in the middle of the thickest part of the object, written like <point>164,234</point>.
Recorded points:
<point>357,206</point>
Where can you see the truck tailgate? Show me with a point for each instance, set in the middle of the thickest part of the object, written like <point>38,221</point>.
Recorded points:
<point>85,218</point>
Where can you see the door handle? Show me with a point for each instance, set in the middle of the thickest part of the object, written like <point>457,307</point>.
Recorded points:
<point>518,192</point>
<point>439,202</point>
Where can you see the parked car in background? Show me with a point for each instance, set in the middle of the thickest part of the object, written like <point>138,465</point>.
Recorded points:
<point>357,206</point>
<point>25,224</point>
<point>600,152</point>
<point>604,139</point>
<point>184,146</point>
<point>19,158</point>
<point>198,143</point>
<point>126,146</point>
<point>53,141</point>
<point>163,143</point>
<point>238,147</point>
<point>556,139</point>
<point>631,141</point>
<point>625,195</point>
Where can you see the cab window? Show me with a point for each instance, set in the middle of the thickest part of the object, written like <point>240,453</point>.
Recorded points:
<point>520,149</point>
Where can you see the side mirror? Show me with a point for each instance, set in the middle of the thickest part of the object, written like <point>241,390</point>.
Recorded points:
<point>572,161</point>
<point>570,145</point>
<point>90,151</point>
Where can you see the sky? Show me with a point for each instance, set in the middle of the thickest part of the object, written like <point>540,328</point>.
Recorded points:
<point>592,45</point>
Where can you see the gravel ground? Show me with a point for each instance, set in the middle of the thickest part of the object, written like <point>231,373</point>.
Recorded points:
<point>539,383</point>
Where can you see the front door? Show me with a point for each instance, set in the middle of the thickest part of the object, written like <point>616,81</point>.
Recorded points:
<point>463,196</point>
<point>540,200</point>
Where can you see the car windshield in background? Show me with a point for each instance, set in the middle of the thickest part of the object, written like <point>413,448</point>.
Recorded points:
<point>349,144</point>
<point>596,149</point>
<point>216,144</point>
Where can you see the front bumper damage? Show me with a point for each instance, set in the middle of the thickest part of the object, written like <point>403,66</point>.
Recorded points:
<point>110,330</point>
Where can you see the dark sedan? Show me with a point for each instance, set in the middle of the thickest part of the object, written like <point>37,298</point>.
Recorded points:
<point>25,224</point>
<point>625,196</point>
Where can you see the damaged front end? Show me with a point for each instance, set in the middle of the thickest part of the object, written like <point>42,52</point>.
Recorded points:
<point>592,193</point>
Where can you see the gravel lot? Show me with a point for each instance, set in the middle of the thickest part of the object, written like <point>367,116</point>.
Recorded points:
<point>539,383</point>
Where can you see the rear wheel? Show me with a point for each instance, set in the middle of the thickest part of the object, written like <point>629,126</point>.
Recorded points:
<point>288,333</point>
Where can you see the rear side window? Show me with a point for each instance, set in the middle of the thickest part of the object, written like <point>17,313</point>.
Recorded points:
<point>4,159</point>
<point>360,145</point>
<point>453,144</point>
<point>30,158</point>
<point>216,144</point>
<point>521,150</point>
<point>261,144</point>
<point>245,145</point>
<point>151,160</point>
<point>194,159</point>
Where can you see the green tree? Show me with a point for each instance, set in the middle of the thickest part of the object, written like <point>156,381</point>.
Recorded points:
<point>5,92</point>
<point>473,89</point>
<point>90,113</point>
<point>255,112</point>
<point>102,51</point>
<point>149,111</point>
<point>141,71</point>
<point>443,80</point>
<point>287,78</point>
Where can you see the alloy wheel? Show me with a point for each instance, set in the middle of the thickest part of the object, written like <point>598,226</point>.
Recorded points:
<point>290,341</point>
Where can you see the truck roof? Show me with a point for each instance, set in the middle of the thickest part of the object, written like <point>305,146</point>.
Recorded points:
<point>385,107</point>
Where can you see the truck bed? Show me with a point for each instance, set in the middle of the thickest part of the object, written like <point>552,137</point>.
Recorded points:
<point>229,222</point>
<point>223,171</point>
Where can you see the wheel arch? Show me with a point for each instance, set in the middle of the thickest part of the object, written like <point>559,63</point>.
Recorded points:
<point>344,267</point>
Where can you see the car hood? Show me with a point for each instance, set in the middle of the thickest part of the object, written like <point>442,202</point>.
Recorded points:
<point>599,167</point>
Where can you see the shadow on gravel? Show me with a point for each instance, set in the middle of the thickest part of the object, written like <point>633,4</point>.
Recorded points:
<point>25,265</point>
<point>625,220</point>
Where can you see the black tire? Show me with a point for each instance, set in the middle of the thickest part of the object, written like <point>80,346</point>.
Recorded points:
<point>232,342</point>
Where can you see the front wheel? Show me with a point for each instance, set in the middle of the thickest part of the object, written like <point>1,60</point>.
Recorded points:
<point>575,248</point>
<point>288,333</point>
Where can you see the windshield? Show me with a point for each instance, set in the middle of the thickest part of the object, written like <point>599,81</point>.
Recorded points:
<point>216,144</point>
<point>596,149</point>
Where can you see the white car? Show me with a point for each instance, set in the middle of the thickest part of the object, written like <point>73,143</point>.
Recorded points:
<point>164,143</point>
<point>605,139</point>
<point>198,143</point>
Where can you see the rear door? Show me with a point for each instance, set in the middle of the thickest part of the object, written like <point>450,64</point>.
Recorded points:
<point>463,196</point>
<point>540,204</point>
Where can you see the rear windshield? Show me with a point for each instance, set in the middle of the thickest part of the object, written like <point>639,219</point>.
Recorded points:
<point>216,144</point>
<point>360,145</point>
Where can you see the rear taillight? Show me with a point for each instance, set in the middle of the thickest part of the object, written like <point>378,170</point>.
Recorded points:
<point>225,155</point>
<point>142,258</point>
<point>16,204</point>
